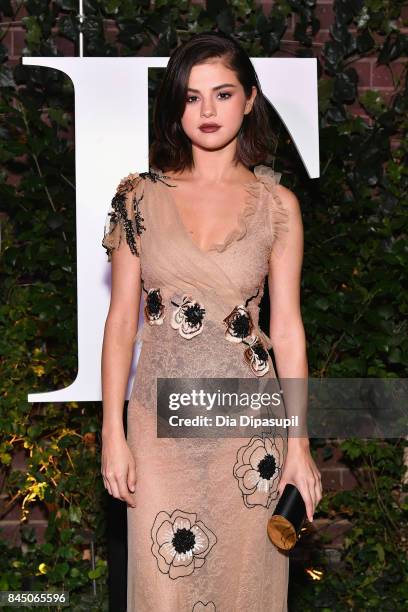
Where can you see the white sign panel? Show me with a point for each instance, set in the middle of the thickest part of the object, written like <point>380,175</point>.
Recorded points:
<point>111,136</point>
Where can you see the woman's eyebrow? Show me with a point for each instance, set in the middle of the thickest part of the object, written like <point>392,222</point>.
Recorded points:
<point>214,88</point>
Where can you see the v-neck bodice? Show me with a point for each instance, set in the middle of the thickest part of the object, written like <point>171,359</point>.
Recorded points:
<point>245,214</point>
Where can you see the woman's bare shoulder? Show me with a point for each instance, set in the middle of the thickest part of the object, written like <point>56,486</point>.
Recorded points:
<point>288,198</point>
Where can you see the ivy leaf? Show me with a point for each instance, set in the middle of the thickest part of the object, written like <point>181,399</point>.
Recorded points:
<point>325,88</point>
<point>373,102</point>
<point>334,53</point>
<point>365,41</point>
<point>34,34</point>
<point>345,86</point>
<point>59,116</point>
<point>75,514</point>
<point>380,552</point>
<point>392,48</point>
<point>7,77</point>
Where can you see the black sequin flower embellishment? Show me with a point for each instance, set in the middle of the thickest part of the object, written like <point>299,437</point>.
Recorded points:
<point>188,317</point>
<point>181,543</point>
<point>239,324</point>
<point>256,356</point>
<point>155,176</point>
<point>124,218</point>
<point>240,328</point>
<point>154,307</point>
<point>258,469</point>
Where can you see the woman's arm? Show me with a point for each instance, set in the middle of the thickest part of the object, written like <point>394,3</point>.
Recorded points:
<point>289,346</point>
<point>121,325</point>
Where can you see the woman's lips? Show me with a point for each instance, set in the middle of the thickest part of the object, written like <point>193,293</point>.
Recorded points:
<point>212,128</point>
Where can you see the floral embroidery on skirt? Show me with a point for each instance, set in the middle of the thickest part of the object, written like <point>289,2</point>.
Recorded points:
<point>258,470</point>
<point>200,606</point>
<point>181,543</point>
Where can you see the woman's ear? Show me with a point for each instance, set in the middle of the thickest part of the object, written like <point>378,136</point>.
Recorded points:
<point>249,104</point>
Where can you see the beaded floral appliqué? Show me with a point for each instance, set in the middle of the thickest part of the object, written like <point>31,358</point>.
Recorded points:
<point>239,324</point>
<point>154,307</point>
<point>132,223</point>
<point>188,317</point>
<point>256,356</point>
<point>117,213</point>
<point>239,329</point>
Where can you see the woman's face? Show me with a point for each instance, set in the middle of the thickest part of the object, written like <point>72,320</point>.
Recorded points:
<point>216,96</point>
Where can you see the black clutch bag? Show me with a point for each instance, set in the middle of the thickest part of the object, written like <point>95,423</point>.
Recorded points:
<point>286,522</point>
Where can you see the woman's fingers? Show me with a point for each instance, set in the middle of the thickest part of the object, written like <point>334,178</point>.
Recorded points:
<point>312,490</point>
<point>125,495</point>
<point>318,488</point>
<point>119,470</point>
<point>315,490</point>
<point>113,485</point>
<point>117,486</point>
<point>307,478</point>
<point>107,485</point>
<point>307,498</point>
<point>131,477</point>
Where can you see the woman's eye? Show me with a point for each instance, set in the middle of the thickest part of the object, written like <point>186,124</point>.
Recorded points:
<point>223,93</point>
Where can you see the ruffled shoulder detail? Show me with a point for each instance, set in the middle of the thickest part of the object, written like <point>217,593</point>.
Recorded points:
<point>267,174</point>
<point>243,219</point>
<point>124,220</point>
<point>278,214</point>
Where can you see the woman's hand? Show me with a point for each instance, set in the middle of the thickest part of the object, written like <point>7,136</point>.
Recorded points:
<point>118,467</point>
<point>300,470</point>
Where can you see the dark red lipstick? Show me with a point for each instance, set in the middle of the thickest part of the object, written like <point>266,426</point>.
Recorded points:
<point>209,127</point>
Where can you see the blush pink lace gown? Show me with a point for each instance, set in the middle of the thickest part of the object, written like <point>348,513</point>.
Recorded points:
<point>197,538</point>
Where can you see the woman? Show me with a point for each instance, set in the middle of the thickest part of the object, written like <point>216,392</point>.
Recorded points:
<point>198,234</point>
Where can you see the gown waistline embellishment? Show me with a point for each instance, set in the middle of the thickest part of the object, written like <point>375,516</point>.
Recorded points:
<point>188,318</point>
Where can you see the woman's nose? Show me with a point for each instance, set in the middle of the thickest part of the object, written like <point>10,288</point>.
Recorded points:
<point>207,108</point>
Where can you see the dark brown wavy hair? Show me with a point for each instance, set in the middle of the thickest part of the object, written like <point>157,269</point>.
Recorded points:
<point>171,148</point>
